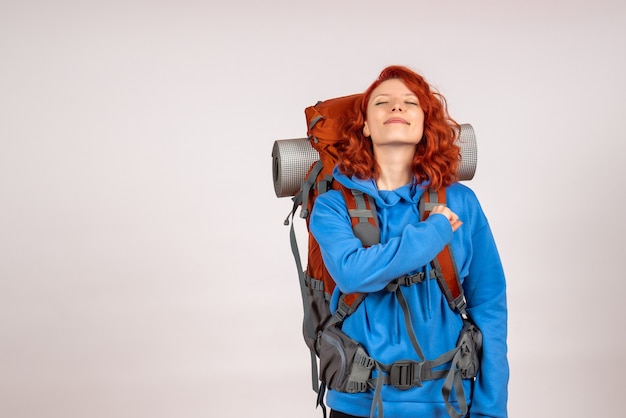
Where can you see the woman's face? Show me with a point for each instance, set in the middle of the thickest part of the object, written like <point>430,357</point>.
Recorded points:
<point>394,115</point>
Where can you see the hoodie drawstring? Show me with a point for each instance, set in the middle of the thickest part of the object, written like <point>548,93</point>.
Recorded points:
<point>429,306</point>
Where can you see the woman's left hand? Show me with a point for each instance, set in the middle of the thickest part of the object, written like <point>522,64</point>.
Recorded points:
<point>452,217</point>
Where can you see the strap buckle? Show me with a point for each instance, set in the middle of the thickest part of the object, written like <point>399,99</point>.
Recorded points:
<point>411,279</point>
<point>404,375</point>
<point>406,280</point>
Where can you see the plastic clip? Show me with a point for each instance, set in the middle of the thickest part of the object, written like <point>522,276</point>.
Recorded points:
<point>406,374</point>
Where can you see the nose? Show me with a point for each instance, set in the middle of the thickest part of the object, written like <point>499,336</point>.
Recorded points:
<point>396,106</point>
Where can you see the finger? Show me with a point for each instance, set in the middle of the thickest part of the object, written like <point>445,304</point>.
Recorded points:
<point>439,209</point>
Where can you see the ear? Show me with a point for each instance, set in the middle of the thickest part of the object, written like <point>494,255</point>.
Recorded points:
<point>366,130</point>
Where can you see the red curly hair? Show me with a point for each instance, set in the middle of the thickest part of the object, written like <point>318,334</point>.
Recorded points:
<point>436,156</point>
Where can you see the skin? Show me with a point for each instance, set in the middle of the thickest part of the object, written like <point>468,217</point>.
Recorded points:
<point>395,125</point>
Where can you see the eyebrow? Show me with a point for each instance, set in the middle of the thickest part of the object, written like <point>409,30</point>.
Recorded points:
<point>388,94</point>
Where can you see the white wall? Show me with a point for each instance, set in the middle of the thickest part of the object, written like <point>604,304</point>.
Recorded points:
<point>144,268</point>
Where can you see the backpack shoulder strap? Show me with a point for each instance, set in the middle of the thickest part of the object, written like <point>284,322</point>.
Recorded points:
<point>362,211</point>
<point>444,265</point>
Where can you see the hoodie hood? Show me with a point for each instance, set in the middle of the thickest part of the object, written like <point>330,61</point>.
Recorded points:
<point>410,192</point>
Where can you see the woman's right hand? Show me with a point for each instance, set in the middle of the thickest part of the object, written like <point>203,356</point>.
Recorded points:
<point>452,217</point>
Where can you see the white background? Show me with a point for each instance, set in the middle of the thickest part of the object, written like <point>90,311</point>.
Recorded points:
<point>144,267</point>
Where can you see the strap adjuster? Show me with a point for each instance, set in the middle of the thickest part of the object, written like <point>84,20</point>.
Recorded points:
<point>406,280</point>
<point>342,311</point>
<point>404,375</point>
<point>411,279</point>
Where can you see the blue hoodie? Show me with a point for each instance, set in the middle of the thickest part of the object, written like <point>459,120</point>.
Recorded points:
<point>406,246</point>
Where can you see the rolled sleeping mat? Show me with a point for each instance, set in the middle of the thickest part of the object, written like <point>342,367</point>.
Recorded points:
<point>292,159</point>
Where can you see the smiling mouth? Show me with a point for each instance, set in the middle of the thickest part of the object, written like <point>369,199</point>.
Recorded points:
<point>396,120</point>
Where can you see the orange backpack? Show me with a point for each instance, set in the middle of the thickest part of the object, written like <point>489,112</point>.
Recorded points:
<point>325,121</point>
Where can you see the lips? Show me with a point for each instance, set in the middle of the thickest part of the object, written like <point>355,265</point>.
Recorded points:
<point>396,120</point>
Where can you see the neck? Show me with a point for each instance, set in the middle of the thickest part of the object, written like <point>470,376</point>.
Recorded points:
<point>395,166</point>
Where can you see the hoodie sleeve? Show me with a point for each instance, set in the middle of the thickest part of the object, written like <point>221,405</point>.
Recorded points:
<point>359,269</point>
<point>485,292</point>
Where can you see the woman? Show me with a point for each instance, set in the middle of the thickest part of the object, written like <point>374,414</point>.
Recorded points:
<point>402,145</point>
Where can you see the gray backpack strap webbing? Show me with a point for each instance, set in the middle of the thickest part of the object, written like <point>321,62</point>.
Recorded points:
<point>344,309</point>
<point>409,373</point>
<point>307,312</point>
<point>406,374</point>
<point>365,220</point>
<point>455,379</point>
<point>305,190</point>
<point>377,400</point>
<point>408,324</point>
<point>302,199</point>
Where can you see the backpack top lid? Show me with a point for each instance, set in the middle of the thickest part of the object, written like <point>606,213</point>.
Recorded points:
<point>325,120</point>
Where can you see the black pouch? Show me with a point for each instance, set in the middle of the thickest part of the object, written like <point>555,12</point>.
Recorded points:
<point>344,363</point>
<point>470,344</point>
